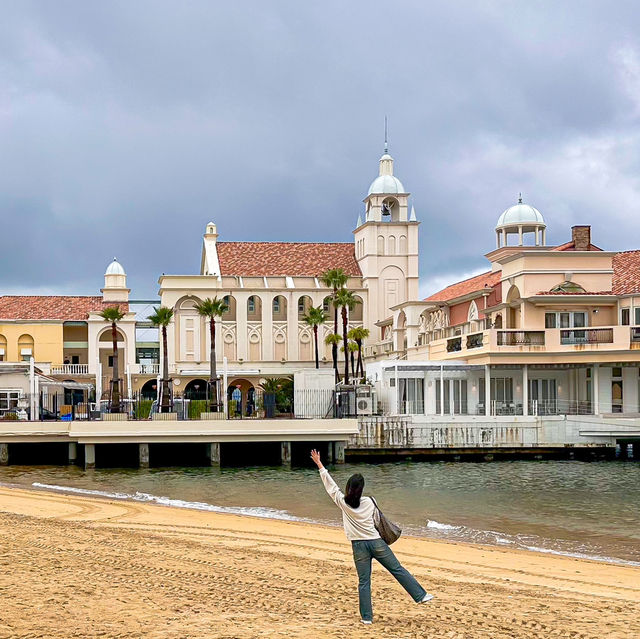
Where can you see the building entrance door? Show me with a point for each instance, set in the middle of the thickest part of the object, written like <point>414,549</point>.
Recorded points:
<point>543,397</point>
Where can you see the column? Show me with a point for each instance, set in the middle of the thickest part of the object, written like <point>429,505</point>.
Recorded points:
<point>214,454</point>
<point>4,454</point>
<point>267,326</point>
<point>487,390</point>
<point>525,389</point>
<point>242,336</point>
<point>504,237</point>
<point>544,237</point>
<point>441,389</point>
<point>285,454</point>
<point>330,453</point>
<point>73,452</point>
<point>520,234</point>
<point>293,339</point>
<point>143,455</point>
<point>89,456</point>
<point>339,448</point>
<point>595,390</point>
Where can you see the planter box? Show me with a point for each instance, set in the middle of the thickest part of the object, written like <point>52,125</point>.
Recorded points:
<point>115,417</point>
<point>164,417</point>
<point>209,416</point>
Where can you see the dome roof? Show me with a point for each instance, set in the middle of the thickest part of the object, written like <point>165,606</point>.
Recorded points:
<point>115,268</point>
<point>520,214</point>
<point>386,184</point>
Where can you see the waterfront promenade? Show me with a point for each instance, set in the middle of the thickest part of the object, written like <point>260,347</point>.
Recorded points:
<point>78,567</point>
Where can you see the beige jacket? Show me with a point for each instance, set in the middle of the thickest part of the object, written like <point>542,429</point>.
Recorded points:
<point>357,522</point>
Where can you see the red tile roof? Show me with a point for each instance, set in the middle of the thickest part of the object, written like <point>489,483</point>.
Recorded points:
<point>286,258</point>
<point>471,285</point>
<point>626,272</point>
<point>571,246</point>
<point>52,307</point>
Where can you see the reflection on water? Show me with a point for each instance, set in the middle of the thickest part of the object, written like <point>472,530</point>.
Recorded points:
<point>564,506</point>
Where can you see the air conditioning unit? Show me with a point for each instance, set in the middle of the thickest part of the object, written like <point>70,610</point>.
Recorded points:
<point>364,405</point>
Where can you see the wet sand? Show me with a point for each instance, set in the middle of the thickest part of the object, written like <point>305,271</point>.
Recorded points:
<point>85,567</point>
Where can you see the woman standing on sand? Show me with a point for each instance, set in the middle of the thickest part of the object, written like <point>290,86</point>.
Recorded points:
<point>357,518</point>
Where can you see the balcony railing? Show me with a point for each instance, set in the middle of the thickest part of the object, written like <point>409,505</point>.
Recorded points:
<point>586,336</point>
<point>70,369</point>
<point>475,341</point>
<point>635,334</point>
<point>520,338</point>
<point>454,344</point>
<point>149,369</point>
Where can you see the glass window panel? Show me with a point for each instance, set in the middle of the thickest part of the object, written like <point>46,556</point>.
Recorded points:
<point>636,319</point>
<point>625,316</point>
<point>564,320</point>
<point>579,320</point>
<point>549,320</point>
<point>616,372</point>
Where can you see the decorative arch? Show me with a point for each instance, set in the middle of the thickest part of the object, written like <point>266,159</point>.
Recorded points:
<point>497,322</point>
<point>279,308</point>
<point>254,308</point>
<point>149,389</point>
<point>392,289</point>
<point>3,348</point>
<point>402,245</point>
<point>305,347</point>
<point>513,294</point>
<point>473,314</point>
<point>104,336</point>
<point>196,389</point>
<point>304,304</point>
<point>392,245</point>
<point>230,314</point>
<point>356,314</point>
<point>26,347</point>
<point>254,338</point>
<point>391,207</point>
<point>380,244</point>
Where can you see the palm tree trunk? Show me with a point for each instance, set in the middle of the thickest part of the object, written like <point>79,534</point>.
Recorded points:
<point>315,338</point>
<point>165,373</point>
<point>345,341</point>
<point>359,343</point>
<point>213,382</point>
<point>353,369</point>
<point>115,382</point>
<point>334,347</point>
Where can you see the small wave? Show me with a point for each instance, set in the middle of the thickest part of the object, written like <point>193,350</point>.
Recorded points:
<point>257,511</point>
<point>440,526</point>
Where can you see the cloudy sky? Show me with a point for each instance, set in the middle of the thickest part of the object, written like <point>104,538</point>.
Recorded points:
<point>126,126</point>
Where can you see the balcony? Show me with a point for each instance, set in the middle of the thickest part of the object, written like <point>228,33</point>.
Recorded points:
<point>149,369</point>
<point>521,338</point>
<point>572,337</point>
<point>454,344</point>
<point>70,369</point>
<point>635,334</point>
<point>475,341</point>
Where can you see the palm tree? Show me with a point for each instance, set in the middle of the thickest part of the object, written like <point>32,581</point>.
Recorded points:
<point>358,334</point>
<point>334,278</point>
<point>352,347</point>
<point>161,318</point>
<point>315,317</point>
<point>212,308</point>
<point>346,300</point>
<point>113,314</point>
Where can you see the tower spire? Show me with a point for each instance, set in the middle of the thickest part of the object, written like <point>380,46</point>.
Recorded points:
<point>386,141</point>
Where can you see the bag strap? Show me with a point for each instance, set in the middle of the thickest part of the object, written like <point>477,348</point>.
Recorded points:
<point>375,503</point>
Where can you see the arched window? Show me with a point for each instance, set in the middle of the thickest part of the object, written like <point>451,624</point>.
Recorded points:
<point>279,308</point>
<point>473,311</point>
<point>26,347</point>
<point>254,308</point>
<point>3,348</point>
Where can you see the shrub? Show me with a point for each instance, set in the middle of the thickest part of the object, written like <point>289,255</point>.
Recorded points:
<point>143,409</point>
<point>197,406</point>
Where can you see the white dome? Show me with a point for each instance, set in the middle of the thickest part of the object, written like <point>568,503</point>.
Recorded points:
<point>520,214</point>
<point>115,268</point>
<point>386,184</point>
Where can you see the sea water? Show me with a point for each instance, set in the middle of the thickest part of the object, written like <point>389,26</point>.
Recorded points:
<point>582,509</point>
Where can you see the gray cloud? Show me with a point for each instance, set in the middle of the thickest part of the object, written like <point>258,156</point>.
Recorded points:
<point>125,127</point>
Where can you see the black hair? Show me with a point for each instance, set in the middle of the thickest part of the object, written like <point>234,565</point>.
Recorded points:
<point>355,486</point>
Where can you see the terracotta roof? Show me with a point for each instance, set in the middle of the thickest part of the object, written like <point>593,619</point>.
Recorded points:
<point>626,272</point>
<point>286,258</point>
<point>472,285</point>
<point>52,307</point>
<point>570,246</point>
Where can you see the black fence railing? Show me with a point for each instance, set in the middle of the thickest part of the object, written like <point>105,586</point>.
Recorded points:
<point>520,338</point>
<point>248,404</point>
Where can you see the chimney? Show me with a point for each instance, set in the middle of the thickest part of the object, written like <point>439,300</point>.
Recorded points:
<point>581,237</point>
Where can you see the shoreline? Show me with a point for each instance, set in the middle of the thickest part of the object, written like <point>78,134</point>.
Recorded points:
<point>139,570</point>
<point>282,515</point>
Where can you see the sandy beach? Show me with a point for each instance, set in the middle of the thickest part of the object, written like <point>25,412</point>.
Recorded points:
<point>85,567</point>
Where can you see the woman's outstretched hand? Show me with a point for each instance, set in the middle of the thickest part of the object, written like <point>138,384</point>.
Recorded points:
<point>315,455</point>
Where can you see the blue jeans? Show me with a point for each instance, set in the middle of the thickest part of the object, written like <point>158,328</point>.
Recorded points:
<point>363,552</point>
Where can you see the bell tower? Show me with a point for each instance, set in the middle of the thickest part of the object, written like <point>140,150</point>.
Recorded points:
<point>386,245</point>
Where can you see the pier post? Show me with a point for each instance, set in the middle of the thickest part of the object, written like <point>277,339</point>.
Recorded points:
<point>4,454</point>
<point>89,456</point>
<point>330,453</point>
<point>214,454</point>
<point>285,454</point>
<point>143,455</point>
<point>338,448</point>
<point>73,452</point>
